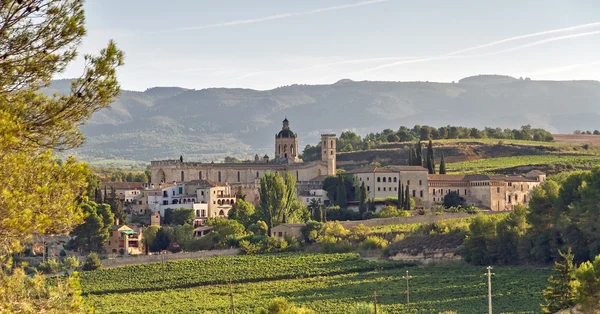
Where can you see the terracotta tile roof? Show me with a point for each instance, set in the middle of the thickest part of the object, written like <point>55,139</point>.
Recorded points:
<point>205,183</point>
<point>123,185</point>
<point>513,178</point>
<point>290,225</point>
<point>386,169</point>
<point>446,177</point>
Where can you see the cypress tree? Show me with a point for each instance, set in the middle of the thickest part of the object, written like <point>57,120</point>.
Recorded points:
<point>341,199</point>
<point>419,161</point>
<point>410,157</point>
<point>362,207</point>
<point>561,294</point>
<point>407,198</point>
<point>400,195</point>
<point>372,205</point>
<point>442,165</point>
<point>430,158</point>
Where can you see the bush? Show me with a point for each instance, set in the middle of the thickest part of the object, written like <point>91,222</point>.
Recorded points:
<point>358,233</point>
<point>281,306</point>
<point>374,243</point>
<point>365,308</point>
<point>310,232</point>
<point>330,244</point>
<point>387,212</point>
<point>92,262</point>
<point>249,248</point>
<point>49,267</point>
<point>452,199</point>
<point>334,229</point>
<point>259,228</point>
<point>71,262</point>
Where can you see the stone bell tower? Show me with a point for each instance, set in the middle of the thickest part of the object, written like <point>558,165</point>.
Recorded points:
<point>328,150</point>
<point>286,144</point>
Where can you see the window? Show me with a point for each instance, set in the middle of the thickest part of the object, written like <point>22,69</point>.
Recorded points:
<point>203,213</point>
<point>509,183</point>
<point>521,187</point>
<point>378,179</point>
<point>181,190</point>
<point>219,176</point>
<point>165,202</point>
<point>389,179</point>
<point>509,199</point>
<point>257,174</point>
<point>407,182</point>
<point>434,192</point>
<point>395,179</point>
<point>465,192</point>
<point>297,175</point>
<point>238,176</point>
<point>182,177</point>
<point>331,153</point>
<point>359,179</point>
<point>383,179</point>
<point>384,189</point>
<point>368,188</point>
<point>497,190</point>
<point>414,193</point>
<point>420,182</point>
<point>421,193</point>
<point>200,175</point>
<point>331,144</point>
<point>173,192</point>
<point>280,234</point>
<point>396,189</point>
<point>378,189</point>
<point>458,192</point>
<point>108,242</point>
<point>524,198</point>
<point>367,178</point>
<point>202,193</point>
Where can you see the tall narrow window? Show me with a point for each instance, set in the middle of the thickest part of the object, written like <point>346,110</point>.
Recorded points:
<point>331,144</point>
<point>219,175</point>
<point>182,177</point>
<point>421,193</point>
<point>414,193</point>
<point>383,179</point>
<point>257,174</point>
<point>200,175</point>
<point>238,176</point>
<point>297,177</point>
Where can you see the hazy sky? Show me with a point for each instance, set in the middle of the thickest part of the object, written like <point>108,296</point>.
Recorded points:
<point>266,44</point>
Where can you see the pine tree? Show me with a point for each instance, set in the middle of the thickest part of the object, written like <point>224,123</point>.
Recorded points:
<point>362,207</point>
<point>561,293</point>
<point>442,165</point>
<point>407,198</point>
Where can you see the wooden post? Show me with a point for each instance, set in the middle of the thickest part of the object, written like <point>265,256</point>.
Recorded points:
<point>375,301</point>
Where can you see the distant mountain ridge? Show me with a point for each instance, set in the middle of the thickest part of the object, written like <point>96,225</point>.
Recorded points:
<point>207,124</point>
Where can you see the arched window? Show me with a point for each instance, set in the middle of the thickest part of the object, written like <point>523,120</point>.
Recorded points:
<point>238,176</point>
<point>331,144</point>
<point>279,149</point>
<point>378,179</point>
<point>219,176</point>
<point>331,153</point>
<point>182,176</point>
<point>285,148</point>
<point>292,149</point>
<point>383,179</point>
<point>221,213</point>
<point>219,202</point>
<point>232,202</point>
<point>257,174</point>
<point>200,175</point>
<point>389,179</point>
<point>395,179</point>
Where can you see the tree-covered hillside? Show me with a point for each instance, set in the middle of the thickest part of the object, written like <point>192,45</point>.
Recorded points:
<point>165,122</point>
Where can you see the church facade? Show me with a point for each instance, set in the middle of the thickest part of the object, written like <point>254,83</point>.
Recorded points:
<point>246,175</point>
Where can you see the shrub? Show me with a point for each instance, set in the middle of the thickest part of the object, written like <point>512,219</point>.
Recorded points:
<point>374,243</point>
<point>259,228</point>
<point>293,243</point>
<point>49,267</point>
<point>62,253</point>
<point>452,199</point>
<point>281,306</point>
<point>334,229</point>
<point>330,244</point>
<point>366,308</point>
<point>92,262</point>
<point>358,233</point>
<point>249,248</point>
<point>71,262</point>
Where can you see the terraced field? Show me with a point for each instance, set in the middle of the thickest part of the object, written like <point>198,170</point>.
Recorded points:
<point>493,165</point>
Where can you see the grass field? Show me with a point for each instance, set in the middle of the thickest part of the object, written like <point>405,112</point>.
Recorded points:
<point>493,141</point>
<point>433,288</point>
<point>494,164</point>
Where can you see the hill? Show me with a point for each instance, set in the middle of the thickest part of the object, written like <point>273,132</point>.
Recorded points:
<point>165,122</point>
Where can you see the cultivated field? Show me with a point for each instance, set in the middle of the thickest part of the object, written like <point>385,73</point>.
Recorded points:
<point>577,139</point>
<point>493,165</point>
<point>324,283</point>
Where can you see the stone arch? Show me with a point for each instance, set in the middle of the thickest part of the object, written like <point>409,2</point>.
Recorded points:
<point>221,213</point>
<point>161,175</point>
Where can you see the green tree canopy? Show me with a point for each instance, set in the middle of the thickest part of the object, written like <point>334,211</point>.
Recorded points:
<point>561,293</point>
<point>243,212</point>
<point>277,199</point>
<point>95,230</point>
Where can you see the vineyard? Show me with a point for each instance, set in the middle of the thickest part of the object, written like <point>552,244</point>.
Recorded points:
<point>217,270</point>
<point>311,283</point>
<point>495,164</point>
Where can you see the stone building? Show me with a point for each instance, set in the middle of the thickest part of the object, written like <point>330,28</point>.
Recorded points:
<point>496,192</point>
<point>246,175</point>
<point>384,182</point>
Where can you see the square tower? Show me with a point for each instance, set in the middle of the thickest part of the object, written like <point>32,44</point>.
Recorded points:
<point>328,151</point>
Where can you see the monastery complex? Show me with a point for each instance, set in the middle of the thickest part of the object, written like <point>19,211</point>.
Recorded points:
<point>210,188</point>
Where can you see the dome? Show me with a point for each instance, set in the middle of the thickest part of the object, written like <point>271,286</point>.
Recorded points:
<point>286,133</point>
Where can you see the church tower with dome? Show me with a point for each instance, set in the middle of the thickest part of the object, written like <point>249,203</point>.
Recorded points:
<point>286,144</point>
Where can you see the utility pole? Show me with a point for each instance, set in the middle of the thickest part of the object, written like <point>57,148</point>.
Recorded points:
<point>407,277</point>
<point>162,257</point>
<point>375,298</point>
<point>231,297</point>
<point>489,275</point>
